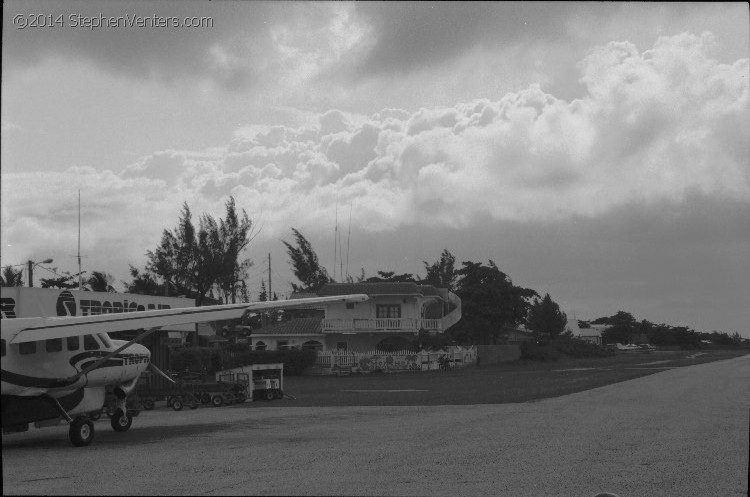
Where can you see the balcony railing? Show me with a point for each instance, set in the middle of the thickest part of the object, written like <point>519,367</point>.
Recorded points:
<point>410,325</point>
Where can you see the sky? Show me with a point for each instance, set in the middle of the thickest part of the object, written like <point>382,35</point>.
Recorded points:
<point>597,152</point>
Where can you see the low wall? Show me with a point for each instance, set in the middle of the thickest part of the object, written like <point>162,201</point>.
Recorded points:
<point>493,354</point>
<point>333,362</point>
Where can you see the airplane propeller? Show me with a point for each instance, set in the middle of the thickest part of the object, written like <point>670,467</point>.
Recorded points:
<point>153,367</point>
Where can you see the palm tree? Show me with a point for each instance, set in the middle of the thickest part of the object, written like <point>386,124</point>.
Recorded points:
<point>11,277</point>
<point>100,282</point>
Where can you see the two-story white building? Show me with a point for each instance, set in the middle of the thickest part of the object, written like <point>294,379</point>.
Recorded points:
<point>395,313</point>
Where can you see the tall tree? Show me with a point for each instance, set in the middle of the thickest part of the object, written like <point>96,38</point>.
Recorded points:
<point>234,234</point>
<point>545,316</point>
<point>442,273</point>
<point>11,277</point>
<point>489,303</point>
<point>192,262</point>
<point>305,264</point>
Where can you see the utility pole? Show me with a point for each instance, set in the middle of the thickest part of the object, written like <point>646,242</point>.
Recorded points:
<point>31,273</point>
<point>270,291</point>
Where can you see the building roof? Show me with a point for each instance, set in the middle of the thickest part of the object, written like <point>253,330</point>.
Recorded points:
<point>378,288</point>
<point>299,326</point>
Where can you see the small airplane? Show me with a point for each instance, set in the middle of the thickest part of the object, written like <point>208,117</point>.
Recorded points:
<point>60,367</point>
<point>631,347</point>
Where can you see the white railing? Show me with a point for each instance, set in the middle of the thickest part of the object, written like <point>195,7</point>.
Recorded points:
<point>385,324</point>
<point>333,361</point>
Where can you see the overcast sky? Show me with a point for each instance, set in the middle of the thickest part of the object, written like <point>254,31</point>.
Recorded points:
<point>595,151</point>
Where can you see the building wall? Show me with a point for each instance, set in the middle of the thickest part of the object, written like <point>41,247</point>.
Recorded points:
<point>410,308</point>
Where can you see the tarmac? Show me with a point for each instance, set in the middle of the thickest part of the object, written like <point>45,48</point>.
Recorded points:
<point>681,432</point>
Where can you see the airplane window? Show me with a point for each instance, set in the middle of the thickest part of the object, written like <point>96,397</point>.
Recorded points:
<point>74,343</point>
<point>53,344</point>
<point>90,343</point>
<point>27,347</point>
<point>104,340</point>
<point>2,345</point>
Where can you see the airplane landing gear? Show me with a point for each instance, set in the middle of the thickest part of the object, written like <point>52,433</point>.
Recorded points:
<point>121,420</point>
<point>81,431</point>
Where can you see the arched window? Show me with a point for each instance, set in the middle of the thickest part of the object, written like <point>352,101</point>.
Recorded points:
<point>260,346</point>
<point>312,345</point>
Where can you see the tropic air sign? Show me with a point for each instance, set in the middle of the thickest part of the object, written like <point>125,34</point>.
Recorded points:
<point>22,302</point>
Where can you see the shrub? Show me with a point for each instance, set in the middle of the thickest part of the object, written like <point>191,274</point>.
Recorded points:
<point>575,347</point>
<point>534,352</point>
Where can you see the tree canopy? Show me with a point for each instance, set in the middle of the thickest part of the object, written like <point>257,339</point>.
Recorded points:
<point>11,277</point>
<point>194,262</point>
<point>490,302</point>
<point>442,273</point>
<point>305,264</point>
<point>545,316</point>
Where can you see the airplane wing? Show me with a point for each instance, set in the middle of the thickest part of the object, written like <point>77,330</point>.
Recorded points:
<point>20,330</point>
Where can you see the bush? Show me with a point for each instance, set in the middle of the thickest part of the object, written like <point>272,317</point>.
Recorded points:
<point>575,347</point>
<point>535,352</point>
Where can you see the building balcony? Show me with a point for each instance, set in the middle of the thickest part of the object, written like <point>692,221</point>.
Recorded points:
<point>404,325</point>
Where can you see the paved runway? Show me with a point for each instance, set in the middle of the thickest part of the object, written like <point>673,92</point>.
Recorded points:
<point>681,432</point>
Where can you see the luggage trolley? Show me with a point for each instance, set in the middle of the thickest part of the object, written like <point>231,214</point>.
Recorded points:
<point>264,381</point>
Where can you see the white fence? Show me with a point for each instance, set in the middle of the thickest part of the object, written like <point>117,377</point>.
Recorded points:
<point>334,361</point>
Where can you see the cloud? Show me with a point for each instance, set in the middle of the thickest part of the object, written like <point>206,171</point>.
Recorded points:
<point>654,126</point>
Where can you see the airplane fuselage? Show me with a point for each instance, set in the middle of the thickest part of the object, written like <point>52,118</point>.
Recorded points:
<point>34,372</point>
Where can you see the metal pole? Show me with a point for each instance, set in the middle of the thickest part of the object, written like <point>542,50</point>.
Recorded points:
<point>31,273</point>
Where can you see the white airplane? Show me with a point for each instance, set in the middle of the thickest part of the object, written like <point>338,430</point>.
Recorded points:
<point>60,367</point>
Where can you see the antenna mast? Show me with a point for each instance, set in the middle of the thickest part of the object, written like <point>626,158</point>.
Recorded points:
<point>335,239</point>
<point>348,238</point>
<point>80,276</point>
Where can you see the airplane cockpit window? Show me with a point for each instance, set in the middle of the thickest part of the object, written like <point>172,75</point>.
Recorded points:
<point>2,345</point>
<point>27,348</point>
<point>90,343</point>
<point>104,340</point>
<point>74,343</point>
<point>53,344</point>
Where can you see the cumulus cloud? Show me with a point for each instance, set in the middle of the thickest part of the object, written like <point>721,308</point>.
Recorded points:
<point>653,126</point>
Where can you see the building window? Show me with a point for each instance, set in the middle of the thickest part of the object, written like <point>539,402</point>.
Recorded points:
<point>74,343</point>
<point>282,345</point>
<point>340,345</point>
<point>90,343</point>
<point>388,311</point>
<point>53,344</point>
<point>260,346</point>
<point>350,305</point>
<point>27,348</point>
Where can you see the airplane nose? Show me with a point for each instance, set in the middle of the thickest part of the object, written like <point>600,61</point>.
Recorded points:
<point>137,348</point>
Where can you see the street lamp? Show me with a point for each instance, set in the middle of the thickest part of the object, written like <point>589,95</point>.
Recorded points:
<point>31,265</point>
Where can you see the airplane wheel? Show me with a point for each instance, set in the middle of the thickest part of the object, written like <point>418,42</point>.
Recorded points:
<point>177,404</point>
<point>148,404</point>
<point>81,432</point>
<point>121,421</point>
<point>217,401</point>
<point>269,395</point>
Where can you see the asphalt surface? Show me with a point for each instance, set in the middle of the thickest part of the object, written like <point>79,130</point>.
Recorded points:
<point>681,432</point>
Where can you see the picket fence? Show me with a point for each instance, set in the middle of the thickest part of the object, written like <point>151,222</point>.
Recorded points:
<point>337,361</point>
